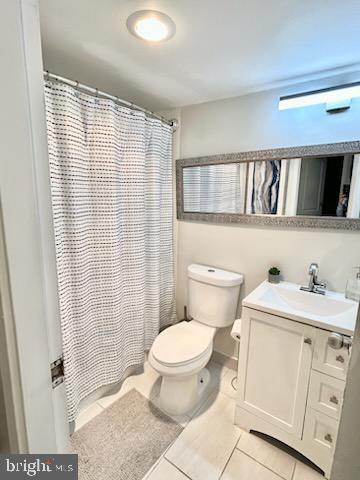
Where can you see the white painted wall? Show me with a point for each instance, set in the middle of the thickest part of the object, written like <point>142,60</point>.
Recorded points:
<point>254,122</point>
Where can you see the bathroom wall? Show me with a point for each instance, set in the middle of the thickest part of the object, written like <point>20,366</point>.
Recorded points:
<point>254,122</point>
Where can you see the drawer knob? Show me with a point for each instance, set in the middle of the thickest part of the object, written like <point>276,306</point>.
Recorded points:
<point>334,400</point>
<point>308,340</point>
<point>338,341</point>
<point>328,438</point>
<point>340,359</point>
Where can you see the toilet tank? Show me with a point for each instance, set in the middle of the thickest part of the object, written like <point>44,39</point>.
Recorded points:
<point>213,295</point>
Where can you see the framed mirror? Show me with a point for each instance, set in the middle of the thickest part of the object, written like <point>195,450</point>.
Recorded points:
<point>314,186</point>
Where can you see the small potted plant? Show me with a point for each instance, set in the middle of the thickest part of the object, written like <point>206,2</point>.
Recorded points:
<point>274,275</point>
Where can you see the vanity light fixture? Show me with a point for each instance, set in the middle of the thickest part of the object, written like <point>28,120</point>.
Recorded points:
<point>337,99</point>
<point>151,26</point>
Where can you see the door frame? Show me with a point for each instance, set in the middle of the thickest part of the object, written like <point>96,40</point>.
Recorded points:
<point>28,268</point>
<point>302,184</point>
<point>10,386</point>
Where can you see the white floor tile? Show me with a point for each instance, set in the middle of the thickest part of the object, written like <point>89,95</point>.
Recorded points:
<point>165,471</point>
<point>268,455</point>
<point>221,368</point>
<point>303,472</point>
<point>86,415</point>
<point>226,383</point>
<point>242,467</point>
<point>125,387</point>
<point>217,371</point>
<point>147,383</point>
<point>205,445</point>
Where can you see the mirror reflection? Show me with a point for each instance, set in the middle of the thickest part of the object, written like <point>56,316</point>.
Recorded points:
<point>312,186</point>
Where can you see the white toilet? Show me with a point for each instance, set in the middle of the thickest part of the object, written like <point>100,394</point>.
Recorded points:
<point>180,353</point>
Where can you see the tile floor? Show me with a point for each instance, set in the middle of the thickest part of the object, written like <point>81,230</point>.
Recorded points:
<point>210,447</point>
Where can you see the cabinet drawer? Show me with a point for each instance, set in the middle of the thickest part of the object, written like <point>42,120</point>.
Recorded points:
<point>326,394</point>
<point>328,360</point>
<point>319,437</point>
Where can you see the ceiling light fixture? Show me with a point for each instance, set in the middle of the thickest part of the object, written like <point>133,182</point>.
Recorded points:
<point>336,98</point>
<point>151,25</point>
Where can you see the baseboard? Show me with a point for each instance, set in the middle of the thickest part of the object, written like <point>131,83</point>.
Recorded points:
<point>222,359</point>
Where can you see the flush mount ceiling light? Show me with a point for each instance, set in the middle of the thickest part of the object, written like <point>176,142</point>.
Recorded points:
<point>151,26</point>
<point>336,98</point>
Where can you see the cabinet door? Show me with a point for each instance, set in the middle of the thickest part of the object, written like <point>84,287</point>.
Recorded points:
<point>274,368</point>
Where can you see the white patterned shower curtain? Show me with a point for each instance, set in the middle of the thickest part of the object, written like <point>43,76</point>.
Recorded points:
<point>214,188</point>
<point>111,183</point>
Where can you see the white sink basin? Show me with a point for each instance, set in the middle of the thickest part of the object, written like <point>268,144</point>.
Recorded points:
<point>328,311</point>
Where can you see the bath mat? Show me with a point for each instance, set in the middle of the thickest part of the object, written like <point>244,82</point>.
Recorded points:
<point>124,441</point>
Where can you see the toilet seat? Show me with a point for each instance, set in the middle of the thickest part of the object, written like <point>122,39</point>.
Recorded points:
<point>183,344</point>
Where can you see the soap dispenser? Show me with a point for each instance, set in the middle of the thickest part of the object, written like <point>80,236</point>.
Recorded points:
<point>353,287</point>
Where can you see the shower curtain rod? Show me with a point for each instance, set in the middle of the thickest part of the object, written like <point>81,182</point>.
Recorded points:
<point>98,93</point>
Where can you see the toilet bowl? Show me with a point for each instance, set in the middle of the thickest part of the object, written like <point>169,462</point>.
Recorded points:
<point>180,353</point>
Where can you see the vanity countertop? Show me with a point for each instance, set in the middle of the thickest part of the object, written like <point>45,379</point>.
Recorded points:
<point>331,311</point>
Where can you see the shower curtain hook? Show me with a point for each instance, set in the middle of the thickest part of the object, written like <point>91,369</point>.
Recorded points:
<point>76,88</point>
<point>174,122</point>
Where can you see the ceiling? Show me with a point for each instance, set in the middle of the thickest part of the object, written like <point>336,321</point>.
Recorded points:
<point>222,48</point>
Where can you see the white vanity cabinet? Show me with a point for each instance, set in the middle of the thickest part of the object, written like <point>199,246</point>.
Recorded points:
<point>290,384</point>
<point>274,369</point>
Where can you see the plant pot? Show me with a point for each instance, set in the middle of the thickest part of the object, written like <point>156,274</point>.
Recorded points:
<point>273,278</point>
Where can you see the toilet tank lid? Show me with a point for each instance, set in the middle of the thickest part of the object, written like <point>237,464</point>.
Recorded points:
<point>214,276</point>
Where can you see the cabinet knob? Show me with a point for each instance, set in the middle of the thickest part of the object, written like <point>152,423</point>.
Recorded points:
<point>335,341</point>
<point>328,438</point>
<point>308,340</point>
<point>334,400</point>
<point>340,359</point>
<point>338,341</point>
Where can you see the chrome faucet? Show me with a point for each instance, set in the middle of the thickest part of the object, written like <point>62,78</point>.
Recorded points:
<point>314,285</point>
